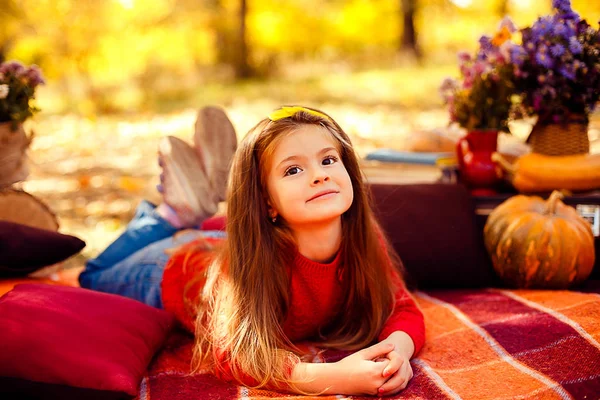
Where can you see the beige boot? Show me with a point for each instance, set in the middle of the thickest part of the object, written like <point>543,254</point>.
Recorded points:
<point>215,142</point>
<point>13,153</point>
<point>185,186</point>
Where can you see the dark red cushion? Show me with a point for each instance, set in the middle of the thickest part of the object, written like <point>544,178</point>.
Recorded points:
<point>433,229</point>
<point>76,343</point>
<point>24,249</point>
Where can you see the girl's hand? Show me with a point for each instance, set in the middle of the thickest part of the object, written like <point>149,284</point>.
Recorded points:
<point>359,373</point>
<point>398,372</point>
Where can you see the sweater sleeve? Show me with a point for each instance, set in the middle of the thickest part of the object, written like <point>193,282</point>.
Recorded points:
<point>184,278</point>
<point>406,317</point>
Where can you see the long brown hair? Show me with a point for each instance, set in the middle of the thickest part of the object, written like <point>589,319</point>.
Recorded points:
<point>246,297</point>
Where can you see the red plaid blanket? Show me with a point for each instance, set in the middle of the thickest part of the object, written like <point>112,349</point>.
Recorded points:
<point>481,344</point>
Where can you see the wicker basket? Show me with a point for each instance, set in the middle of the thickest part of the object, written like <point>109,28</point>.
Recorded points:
<point>560,139</point>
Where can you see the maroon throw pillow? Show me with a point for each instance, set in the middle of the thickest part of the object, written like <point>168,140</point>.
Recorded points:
<point>65,342</point>
<point>24,249</point>
<point>433,229</point>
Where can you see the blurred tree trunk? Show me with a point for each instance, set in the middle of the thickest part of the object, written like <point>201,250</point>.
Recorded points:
<point>409,41</point>
<point>242,67</point>
<point>502,8</point>
<point>223,39</point>
<point>3,51</point>
<point>9,13</point>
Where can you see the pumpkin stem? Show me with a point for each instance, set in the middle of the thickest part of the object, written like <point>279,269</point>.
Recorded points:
<point>553,201</point>
<point>508,167</point>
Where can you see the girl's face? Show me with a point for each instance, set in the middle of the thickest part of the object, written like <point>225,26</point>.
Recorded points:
<point>306,181</point>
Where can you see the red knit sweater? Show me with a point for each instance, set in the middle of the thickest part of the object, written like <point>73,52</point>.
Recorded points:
<point>315,296</point>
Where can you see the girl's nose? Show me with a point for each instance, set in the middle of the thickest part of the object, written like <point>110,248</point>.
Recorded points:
<point>322,177</point>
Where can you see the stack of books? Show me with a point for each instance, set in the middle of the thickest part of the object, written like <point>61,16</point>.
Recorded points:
<point>402,167</point>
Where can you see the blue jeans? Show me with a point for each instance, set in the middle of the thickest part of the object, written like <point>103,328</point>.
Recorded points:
<point>133,264</point>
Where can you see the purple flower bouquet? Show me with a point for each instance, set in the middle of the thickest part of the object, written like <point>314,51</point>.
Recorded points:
<point>557,67</point>
<point>17,87</point>
<point>482,98</point>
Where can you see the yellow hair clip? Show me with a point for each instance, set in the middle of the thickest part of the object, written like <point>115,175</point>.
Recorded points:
<point>285,112</point>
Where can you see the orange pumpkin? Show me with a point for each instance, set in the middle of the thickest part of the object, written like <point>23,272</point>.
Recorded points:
<point>539,244</point>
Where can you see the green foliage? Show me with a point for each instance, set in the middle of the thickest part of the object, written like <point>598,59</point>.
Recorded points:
<point>131,52</point>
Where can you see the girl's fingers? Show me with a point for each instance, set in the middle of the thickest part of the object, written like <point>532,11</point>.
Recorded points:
<point>392,385</point>
<point>397,382</point>
<point>395,363</point>
<point>377,350</point>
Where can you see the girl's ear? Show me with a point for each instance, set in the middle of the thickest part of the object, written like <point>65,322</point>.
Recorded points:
<point>272,211</point>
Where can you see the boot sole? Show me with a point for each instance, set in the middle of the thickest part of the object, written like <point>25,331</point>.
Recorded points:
<point>215,142</point>
<point>189,180</point>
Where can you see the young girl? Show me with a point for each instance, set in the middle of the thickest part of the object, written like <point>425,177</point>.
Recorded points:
<point>303,260</point>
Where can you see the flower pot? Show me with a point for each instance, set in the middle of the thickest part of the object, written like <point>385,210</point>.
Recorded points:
<point>560,139</point>
<point>13,147</point>
<point>477,170</point>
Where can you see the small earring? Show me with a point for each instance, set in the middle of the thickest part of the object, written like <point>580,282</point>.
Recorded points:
<point>274,219</point>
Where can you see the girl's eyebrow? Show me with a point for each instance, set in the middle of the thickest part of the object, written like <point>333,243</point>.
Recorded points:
<point>296,157</point>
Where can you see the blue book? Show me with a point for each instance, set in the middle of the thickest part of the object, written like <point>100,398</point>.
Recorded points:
<point>407,157</point>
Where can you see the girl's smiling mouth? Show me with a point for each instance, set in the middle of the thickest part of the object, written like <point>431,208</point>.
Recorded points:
<point>325,194</point>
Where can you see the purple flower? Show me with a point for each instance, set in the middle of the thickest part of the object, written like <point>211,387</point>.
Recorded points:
<point>481,67</point>
<point>571,15</point>
<point>541,27</point>
<point>34,76</point>
<point>464,56</point>
<point>465,69</point>
<point>505,51</point>
<point>509,24</point>
<point>12,68</point>
<point>562,6</point>
<point>486,43</point>
<point>560,29</point>
<point>575,46</point>
<point>568,72</point>
<point>447,89</point>
<point>544,60</point>
<point>518,55</point>
<point>469,78</point>
<point>449,84</point>
<point>557,50</point>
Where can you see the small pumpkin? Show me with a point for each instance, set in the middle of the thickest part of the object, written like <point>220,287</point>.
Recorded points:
<point>539,244</point>
<point>535,172</point>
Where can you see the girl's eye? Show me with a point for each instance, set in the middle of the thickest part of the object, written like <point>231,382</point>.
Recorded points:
<point>292,171</point>
<point>329,160</point>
